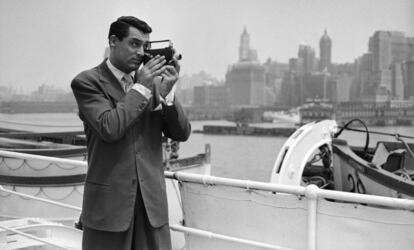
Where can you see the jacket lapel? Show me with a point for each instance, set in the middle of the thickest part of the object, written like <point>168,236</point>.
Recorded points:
<point>110,82</point>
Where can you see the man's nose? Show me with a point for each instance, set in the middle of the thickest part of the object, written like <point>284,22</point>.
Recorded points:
<point>140,51</point>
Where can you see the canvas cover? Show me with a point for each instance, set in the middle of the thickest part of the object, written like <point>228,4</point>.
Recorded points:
<point>281,220</point>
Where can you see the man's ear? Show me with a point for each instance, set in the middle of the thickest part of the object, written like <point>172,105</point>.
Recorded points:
<point>113,40</point>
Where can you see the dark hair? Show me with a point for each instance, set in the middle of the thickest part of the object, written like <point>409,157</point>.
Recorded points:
<point>120,28</point>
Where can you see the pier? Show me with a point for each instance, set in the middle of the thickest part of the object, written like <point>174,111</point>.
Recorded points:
<point>247,130</point>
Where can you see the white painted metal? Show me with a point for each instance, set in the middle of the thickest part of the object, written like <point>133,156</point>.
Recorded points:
<point>60,204</point>
<point>213,235</point>
<point>297,150</point>
<point>43,158</point>
<point>12,206</point>
<point>311,192</point>
<point>31,232</point>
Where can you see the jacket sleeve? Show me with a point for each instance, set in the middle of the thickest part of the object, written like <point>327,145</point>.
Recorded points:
<point>109,120</point>
<point>175,122</point>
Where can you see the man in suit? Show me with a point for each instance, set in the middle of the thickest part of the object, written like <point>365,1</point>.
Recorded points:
<point>125,108</point>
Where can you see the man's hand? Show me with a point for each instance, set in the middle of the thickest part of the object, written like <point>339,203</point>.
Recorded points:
<point>169,77</point>
<point>154,67</point>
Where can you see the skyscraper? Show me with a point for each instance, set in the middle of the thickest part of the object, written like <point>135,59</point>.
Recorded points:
<point>325,47</point>
<point>389,50</point>
<point>244,49</point>
<point>245,52</point>
<point>408,74</point>
<point>307,55</point>
<point>246,78</point>
<point>246,82</point>
<point>389,47</point>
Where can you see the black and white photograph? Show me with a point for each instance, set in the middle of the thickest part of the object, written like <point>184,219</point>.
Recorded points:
<point>206,125</point>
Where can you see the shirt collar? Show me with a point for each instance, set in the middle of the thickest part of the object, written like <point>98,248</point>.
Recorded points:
<point>117,73</point>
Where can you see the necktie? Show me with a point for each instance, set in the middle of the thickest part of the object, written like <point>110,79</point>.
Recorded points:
<point>127,82</point>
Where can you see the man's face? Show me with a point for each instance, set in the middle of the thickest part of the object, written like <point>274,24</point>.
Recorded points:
<point>127,54</point>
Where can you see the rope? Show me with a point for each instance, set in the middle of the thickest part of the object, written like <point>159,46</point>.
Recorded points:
<point>26,162</point>
<point>366,131</point>
<point>378,133</point>
<point>398,138</point>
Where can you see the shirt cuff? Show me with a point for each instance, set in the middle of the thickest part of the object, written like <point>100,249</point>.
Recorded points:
<point>142,90</point>
<point>169,99</point>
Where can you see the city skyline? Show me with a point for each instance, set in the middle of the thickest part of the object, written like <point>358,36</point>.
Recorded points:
<point>67,38</point>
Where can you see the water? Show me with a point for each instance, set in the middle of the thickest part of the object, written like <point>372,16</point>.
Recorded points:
<point>243,157</point>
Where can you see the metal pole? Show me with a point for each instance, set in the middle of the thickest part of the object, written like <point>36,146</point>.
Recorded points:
<point>212,235</point>
<point>33,237</point>
<point>4,153</point>
<point>212,180</point>
<point>312,196</point>
<point>41,199</point>
<point>297,190</point>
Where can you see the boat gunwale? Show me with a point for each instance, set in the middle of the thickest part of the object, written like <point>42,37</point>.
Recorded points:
<point>372,171</point>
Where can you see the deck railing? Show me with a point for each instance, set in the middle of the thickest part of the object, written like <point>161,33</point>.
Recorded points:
<point>311,192</point>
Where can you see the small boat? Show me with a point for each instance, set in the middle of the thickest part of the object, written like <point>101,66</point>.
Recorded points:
<point>299,208</point>
<point>69,145</point>
<point>35,144</point>
<point>386,170</point>
<point>52,189</point>
<point>32,233</point>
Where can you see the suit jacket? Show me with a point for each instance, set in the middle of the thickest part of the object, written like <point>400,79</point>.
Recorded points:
<point>124,150</point>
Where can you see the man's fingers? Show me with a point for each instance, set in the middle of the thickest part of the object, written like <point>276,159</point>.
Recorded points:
<point>157,72</point>
<point>177,65</point>
<point>155,63</point>
<point>170,70</point>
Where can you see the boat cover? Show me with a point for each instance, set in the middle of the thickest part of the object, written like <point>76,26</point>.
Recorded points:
<point>281,220</point>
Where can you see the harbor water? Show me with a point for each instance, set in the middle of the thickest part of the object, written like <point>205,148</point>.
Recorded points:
<point>233,156</point>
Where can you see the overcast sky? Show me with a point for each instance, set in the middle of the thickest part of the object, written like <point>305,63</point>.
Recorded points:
<point>50,41</point>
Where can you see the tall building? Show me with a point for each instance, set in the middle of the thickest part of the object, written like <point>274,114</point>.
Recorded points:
<point>397,86</point>
<point>294,65</point>
<point>245,52</point>
<point>210,95</point>
<point>388,50</point>
<point>246,83</point>
<point>343,88</point>
<point>306,54</point>
<point>364,83</point>
<point>389,47</point>
<point>274,72</point>
<point>408,75</point>
<point>320,85</point>
<point>246,79</point>
<point>325,48</point>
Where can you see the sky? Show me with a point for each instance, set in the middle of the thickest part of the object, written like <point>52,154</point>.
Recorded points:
<point>51,41</point>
